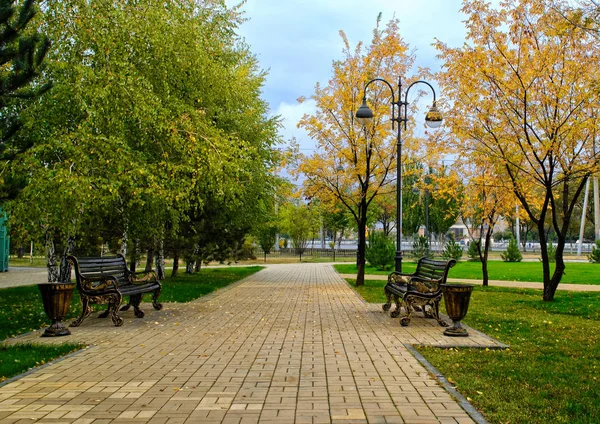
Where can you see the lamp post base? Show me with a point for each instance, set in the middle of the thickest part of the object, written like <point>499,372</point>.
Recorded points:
<point>398,261</point>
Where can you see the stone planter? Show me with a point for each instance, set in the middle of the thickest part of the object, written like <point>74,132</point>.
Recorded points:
<point>57,299</point>
<point>456,298</point>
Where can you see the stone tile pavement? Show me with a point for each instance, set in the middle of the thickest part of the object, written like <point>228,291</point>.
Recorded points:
<point>290,344</point>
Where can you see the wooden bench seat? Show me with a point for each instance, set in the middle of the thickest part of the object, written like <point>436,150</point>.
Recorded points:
<point>419,289</point>
<point>105,280</point>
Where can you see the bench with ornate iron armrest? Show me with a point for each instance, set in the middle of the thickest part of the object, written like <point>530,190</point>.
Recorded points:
<point>106,280</point>
<point>422,288</point>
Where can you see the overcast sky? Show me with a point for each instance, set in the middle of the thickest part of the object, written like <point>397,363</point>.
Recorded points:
<point>296,41</point>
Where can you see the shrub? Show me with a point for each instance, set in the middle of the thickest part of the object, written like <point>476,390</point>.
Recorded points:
<point>594,257</point>
<point>381,251</point>
<point>452,250</point>
<point>421,248</point>
<point>473,251</point>
<point>512,253</point>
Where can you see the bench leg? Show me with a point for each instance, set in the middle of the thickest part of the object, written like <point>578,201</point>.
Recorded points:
<point>386,306</point>
<point>105,313</point>
<point>135,300</point>
<point>408,308</point>
<point>126,307</point>
<point>436,313</point>
<point>155,304</point>
<point>114,305</point>
<point>86,310</point>
<point>396,312</point>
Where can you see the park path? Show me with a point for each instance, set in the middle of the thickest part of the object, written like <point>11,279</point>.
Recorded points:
<point>290,344</point>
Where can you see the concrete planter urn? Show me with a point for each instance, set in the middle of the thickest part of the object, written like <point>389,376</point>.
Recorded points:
<point>456,299</point>
<point>57,299</point>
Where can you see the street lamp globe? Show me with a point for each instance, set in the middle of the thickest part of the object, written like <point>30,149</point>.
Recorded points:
<point>434,118</point>
<point>364,114</point>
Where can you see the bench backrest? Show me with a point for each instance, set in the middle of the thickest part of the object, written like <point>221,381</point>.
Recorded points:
<point>434,269</point>
<point>97,267</point>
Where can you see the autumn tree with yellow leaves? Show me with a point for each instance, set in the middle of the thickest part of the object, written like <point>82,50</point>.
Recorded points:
<point>352,165</point>
<point>523,93</point>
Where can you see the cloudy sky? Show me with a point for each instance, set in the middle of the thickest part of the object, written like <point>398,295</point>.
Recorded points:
<point>297,41</point>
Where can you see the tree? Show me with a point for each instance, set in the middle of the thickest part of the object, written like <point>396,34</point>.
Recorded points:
<point>512,253</point>
<point>524,94</point>
<point>354,164</point>
<point>443,203</point>
<point>384,208</point>
<point>381,251</point>
<point>22,53</point>
<point>452,249</point>
<point>335,221</point>
<point>297,220</point>
<point>483,200</point>
<point>267,228</point>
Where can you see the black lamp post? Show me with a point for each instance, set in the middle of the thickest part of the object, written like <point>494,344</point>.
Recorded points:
<point>433,119</point>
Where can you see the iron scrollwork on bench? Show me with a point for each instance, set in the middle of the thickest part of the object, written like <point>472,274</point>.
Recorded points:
<point>106,280</point>
<point>420,289</point>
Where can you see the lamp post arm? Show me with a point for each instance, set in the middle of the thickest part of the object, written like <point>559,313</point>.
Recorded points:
<point>394,101</point>
<point>415,83</point>
<point>404,103</point>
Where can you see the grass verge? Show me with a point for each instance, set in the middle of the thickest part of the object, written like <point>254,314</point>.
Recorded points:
<point>22,311</point>
<point>551,373</point>
<point>18,358</point>
<point>576,273</point>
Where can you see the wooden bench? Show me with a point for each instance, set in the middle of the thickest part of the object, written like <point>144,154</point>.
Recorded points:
<point>106,280</point>
<point>419,289</point>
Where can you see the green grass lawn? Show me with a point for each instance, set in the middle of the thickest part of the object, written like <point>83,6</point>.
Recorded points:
<point>21,311</point>
<point>551,373</point>
<point>576,272</point>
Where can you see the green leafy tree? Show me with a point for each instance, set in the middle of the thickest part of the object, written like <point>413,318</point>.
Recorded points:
<point>474,251</point>
<point>452,249</point>
<point>297,220</point>
<point>381,250</point>
<point>512,253</point>
<point>421,248</point>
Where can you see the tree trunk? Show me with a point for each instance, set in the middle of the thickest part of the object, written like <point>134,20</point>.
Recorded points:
<point>198,264</point>
<point>265,256</point>
<point>189,267</point>
<point>65,266</point>
<point>149,260</point>
<point>133,256</point>
<point>160,261</point>
<point>484,257</point>
<point>175,264</point>
<point>20,252</point>
<point>550,289</point>
<point>548,295</point>
<point>124,244</point>
<point>362,243</point>
<point>53,273</point>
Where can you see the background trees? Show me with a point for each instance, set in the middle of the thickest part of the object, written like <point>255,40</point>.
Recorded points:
<point>524,94</point>
<point>155,120</point>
